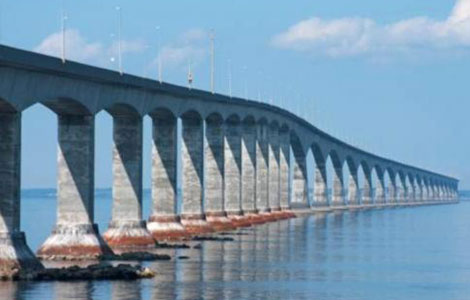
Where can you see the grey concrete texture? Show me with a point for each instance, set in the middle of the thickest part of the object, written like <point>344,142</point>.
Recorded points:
<point>127,168</point>
<point>164,168</point>
<point>233,167</point>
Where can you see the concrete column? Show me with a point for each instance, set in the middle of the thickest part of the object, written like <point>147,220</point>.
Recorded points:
<point>75,234</point>
<point>392,190</point>
<point>321,185</point>
<point>15,254</point>
<point>273,172</point>
<point>338,187</point>
<point>214,175</point>
<point>127,229</point>
<point>262,151</point>
<point>401,190</point>
<point>412,191</point>
<point>420,194</point>
<point>367,196</point>
<point>299,181</point>
<point>380,189</point>
<point>425,191</point>
<point>164,222</point>
<point>284,165</point>
<point>233,169</point>
<point>431,192</point>
<point>248,170</point>
<point>193,218</point>
<point>353,189</point>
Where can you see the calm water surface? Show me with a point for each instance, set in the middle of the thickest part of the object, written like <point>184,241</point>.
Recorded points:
<point>412,253</point>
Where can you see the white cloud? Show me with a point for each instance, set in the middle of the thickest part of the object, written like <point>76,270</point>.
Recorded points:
<point>191,45</point>
<point>362,36</point>
<point>78,48</point>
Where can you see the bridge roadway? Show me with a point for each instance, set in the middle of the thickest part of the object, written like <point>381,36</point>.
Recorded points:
<point>236,159</point>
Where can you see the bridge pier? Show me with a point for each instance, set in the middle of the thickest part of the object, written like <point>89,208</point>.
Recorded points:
<point>127,229</point>
<point>380,189</point>
<point>284,168</point>
<point>164,222</point>
<point>192,217</point>
<point>321,186</point>
<point>299,203</point>
<point>412,192</point>
<point>392,190</point>
<point>367,196</point>
<point>214,175</point>
<point>75,234</point>
<point>232,175</point>
<point>338,187</point>
<point>353,189</point>
<point>262,177</point>
<point>248,170</point>
<point>273,172</point>
<point>15,255</point>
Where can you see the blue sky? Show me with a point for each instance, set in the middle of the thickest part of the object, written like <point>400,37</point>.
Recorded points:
<point>389,76</point>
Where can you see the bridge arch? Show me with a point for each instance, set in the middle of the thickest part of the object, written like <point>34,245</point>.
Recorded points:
<point>7,107</point>
<point>68,106</point>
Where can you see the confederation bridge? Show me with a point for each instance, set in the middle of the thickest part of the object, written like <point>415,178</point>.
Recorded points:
<point>242,162</point>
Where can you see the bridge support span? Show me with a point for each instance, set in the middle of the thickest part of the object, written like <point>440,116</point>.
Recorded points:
<point>127,229</point>
<point>75,234</point>
<point>15,255</point>
<point>251,169</point>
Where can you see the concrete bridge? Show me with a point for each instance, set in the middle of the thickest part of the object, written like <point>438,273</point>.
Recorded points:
<point>242,162</point>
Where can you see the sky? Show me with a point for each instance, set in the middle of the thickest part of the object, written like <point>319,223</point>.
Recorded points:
<point>388,76</point>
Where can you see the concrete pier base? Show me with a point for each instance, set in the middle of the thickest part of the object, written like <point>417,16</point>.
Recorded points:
<point>166,228</point>
<point>219,221</point>
<point>239,219</point>
<point>73,242</point>
<point>196,224</point>
<point>128,234</point>
<point>15,255</point>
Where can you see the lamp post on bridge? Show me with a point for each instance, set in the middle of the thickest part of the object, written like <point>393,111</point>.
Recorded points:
<point>159,58</point>
<point>212,38</point>
<point>63,20</point>
<point>118,9</point>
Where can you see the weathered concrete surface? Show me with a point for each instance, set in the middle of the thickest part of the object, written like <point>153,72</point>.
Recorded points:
<point>248,179</point>
<point>75,235</point>
<point>164,222</point>
<point>273,171</point>
<point>232,176</point>
<point>214,174</point>
<point>192,217</point>
<point>353,189</point>
<point>262,154</point>
<point>392,190</point>
<point>380,189</point>
<point>338,187</point>
<point>127,229</point>
<point>321,186</point>
<point>15,255</point>
<point>367,196</point>
<point>299,181</point>
<point>284,170</point>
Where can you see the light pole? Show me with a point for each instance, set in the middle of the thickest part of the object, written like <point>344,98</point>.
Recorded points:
<point>159,59</point>
<point>119,39</point>
<point>63,29</point>
<point>190,76</point>
<point>212,37</point>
